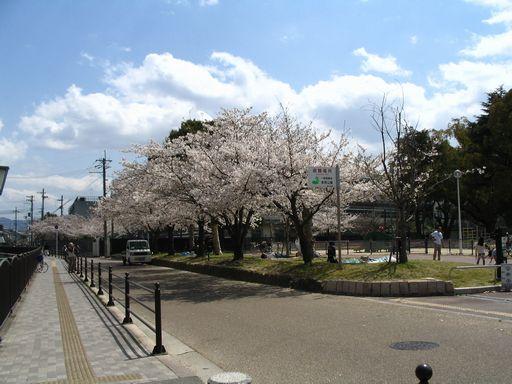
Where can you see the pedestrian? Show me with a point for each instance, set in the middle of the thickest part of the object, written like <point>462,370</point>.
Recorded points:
<point>437,236</point>
<point>331,253</point>
<point>71,257</point>
<point>480,250</point>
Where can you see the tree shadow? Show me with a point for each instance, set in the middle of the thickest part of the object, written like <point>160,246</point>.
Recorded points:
<point>191,287</point>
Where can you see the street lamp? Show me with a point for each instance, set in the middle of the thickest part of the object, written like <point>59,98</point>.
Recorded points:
<point>457,174</point>
<point>3,176</point>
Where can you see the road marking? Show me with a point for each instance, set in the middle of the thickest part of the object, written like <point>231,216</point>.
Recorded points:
<point>452,307</point>
<point>78,368</point>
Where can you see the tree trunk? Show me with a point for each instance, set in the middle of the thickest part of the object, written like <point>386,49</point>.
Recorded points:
<point>238,243</point>
<point>402,238</point>
<point>191,238</point>
<point>215,239</point>
<point>170,240</point>
<point>201,245</point>
<point>305,234</point>
<point>153,240</point>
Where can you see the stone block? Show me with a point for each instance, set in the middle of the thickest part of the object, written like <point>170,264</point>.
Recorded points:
<point>350,287</point>
<point>359,288</point>
<point>440,287</point>
<point>403,286</point>
<point>423,288</point>
<point>339,287</point>
<point>431,287</point>
<point>367,289</point>
<point>376,289</point>
<point>414,288</point>
<point>394,288</point>
<point>385,288</point>
<point>329,286</point>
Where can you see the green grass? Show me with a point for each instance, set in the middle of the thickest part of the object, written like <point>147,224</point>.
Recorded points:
<point>321,270</point>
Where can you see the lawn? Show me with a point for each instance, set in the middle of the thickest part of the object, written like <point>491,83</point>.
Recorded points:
<point>321,270</point>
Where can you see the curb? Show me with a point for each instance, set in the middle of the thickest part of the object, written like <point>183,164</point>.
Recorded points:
<point>185,362</point>
<point>469,290</point>
<point>410,288</point>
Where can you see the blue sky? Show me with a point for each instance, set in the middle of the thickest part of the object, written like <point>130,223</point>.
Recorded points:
<point>78,77</point>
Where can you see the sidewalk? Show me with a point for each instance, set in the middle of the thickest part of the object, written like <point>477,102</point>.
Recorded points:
<point>61,334</point>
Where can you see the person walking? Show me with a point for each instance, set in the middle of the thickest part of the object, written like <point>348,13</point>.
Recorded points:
<point>331,253</point>
<point>437,236</point>
<point>480,250</point>
<point>71,257</point>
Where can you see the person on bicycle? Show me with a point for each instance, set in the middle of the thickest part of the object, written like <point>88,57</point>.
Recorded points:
<point>40,257</point>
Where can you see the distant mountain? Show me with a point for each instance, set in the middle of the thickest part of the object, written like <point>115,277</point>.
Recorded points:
<point>9,224</point>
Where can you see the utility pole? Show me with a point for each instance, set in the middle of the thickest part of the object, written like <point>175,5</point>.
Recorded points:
<point>103,165</point>
<point>61,205</point>
<point>30,199</point>
<point>43,197</point>
<point>16,226</point>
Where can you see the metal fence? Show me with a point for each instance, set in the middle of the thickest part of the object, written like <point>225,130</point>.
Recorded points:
<point>94,276</point>
<point>15,273</point>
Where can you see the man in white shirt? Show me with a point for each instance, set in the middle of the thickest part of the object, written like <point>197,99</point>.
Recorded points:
<point>437,236</point>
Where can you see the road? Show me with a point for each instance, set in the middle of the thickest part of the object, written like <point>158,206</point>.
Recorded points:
<point>279,335</point>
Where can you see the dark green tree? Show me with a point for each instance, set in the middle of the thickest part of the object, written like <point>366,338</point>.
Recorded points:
<point>486,145</point>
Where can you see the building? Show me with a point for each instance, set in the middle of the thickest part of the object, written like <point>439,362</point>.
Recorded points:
<point>83,205</point>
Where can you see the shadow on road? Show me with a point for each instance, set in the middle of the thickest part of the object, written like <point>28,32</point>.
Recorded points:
<point>197,288</point>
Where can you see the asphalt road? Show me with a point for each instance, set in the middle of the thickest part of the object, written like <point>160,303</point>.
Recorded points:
<point>283,336</point>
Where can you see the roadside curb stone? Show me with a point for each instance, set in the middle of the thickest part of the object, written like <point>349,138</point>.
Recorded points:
<point>405,288</point>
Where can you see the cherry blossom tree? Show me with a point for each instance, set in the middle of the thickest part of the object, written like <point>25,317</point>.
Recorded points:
<point>293,147</point>
<point>217,171</point>
<point>71,226</point>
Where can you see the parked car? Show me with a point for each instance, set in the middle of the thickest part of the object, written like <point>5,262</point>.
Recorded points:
<point>137,251</point>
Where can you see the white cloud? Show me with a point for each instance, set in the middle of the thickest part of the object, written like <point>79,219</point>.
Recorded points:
<point>413,39</point>
<point>11,151</point>
<point>1,124</point>
<point>499,44</point>
<point>376,63</point>
<point>206,3</point>
<point>75,184</point>
<point>149,100</point>
<point>491,45</point>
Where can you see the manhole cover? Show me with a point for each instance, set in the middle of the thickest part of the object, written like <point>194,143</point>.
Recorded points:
<point>414,345</point>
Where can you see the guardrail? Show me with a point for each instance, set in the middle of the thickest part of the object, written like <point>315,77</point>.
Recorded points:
<point>15,273</point>
<point>85,270</point>
<point>462,267</point>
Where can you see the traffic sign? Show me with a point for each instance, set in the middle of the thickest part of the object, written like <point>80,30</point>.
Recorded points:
<point>322,177</point>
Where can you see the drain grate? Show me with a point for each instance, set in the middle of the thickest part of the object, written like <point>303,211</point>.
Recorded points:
<point>414,345</point>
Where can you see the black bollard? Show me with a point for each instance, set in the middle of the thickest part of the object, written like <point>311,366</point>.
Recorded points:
<point>426,245</point>
<point>424,373</point>
<point>100,291</point>
<point>110,296</point>
<point>80,265</point>
<point>127,319</point>
<point>86,279</point>
<point>92,274</point>
<point>159,348</point>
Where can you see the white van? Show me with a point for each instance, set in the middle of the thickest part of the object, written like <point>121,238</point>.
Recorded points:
<point>137,251</point>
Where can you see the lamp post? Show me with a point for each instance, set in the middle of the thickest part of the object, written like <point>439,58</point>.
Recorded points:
<point>3,176</point>
<point>457,174</point>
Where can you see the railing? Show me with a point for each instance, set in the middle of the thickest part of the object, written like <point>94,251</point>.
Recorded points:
<point>15,273</point>
<point>462,267</point>
<point>85,270</point>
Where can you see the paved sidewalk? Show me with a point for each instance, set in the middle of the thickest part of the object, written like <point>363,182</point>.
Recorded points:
<point>60,333</point>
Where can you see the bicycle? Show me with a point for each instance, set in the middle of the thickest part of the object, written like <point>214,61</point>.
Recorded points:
<point>42,267</point>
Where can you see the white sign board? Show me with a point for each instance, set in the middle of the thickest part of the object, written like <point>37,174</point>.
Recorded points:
<point>506,276</point>
<point>322,177</point>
